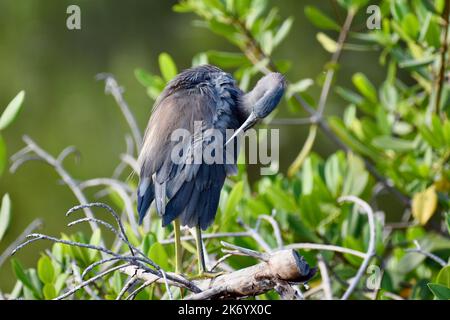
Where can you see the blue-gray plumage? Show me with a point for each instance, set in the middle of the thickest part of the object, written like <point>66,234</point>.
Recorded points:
<point>191,191</point>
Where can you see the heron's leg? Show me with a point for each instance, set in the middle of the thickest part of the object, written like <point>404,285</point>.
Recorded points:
<point>200,253</point>
<point>202,272</point>
<point>178,261</point>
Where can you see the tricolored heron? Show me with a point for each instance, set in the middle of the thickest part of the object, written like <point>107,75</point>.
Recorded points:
<point>188,193</point>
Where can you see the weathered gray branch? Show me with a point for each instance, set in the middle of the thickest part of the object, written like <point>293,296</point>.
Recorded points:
<point>282,267</point>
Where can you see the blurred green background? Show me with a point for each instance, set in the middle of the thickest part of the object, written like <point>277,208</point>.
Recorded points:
<point>64,104</point>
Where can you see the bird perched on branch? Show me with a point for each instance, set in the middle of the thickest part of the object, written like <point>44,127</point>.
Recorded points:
<point>203,101</point>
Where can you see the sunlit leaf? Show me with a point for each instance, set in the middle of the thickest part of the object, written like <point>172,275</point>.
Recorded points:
<point>24,278</point>
<point>5,215</point>
<point>443,277</point>
<point>327,43</point>
<point>45,270</point>
<point>12,110</point>
<point>391,143</point>
<point>49,291</point>
<point>364,86</point>
<point>424,205</point>
<point>440,292</point>
<point>319,19</point>
<point>233,199</point>
<point>167,66</point>
<point>283,31</point>
<point>158,254</point>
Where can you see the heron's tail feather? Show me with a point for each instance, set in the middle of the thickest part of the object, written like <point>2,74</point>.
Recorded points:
<point>146,194</point>
<point>197,200</point>
<point>178,203</point>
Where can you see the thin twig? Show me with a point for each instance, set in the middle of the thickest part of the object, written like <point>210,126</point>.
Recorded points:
<point>113,88</point>
<point>89,281</point>
<point>245,251</point>
<point>58,167</point>
<point>325,247</point>
<point>372,238</point>
<point>430,255</point>
<point>76,273</point>
<point>256,236</point>
<point>122,190</point>
<point>124,237</point>
<point>37,223</point>
<point>140,288</point>
<point>326,282</point>
<point>126,286</point>
<point>276,229</point>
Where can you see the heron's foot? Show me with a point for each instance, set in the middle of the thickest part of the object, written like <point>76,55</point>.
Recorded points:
<point>206,275</point>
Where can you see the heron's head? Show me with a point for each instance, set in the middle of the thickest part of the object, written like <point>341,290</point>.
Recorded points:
<point>204,74</point>
<point>267,94</point>
<point>262,100</point>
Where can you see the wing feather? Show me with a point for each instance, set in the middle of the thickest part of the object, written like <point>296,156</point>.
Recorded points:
<point>179,189</point>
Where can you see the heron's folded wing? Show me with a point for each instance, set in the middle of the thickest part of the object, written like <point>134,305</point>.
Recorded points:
<point>164,171</point>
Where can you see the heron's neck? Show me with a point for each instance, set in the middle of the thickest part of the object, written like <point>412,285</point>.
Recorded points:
<point>264,92</point>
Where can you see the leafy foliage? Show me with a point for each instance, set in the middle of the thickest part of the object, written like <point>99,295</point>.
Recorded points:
<point>398,129</point>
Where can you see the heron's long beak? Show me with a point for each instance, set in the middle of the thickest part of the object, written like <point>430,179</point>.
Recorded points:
<point>251,120</point>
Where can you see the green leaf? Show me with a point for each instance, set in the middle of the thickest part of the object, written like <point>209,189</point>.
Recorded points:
<point>95,240</point>
<point>116,282</point>
<point>148,80</point>
<point>391,143</point>
<point>227,59</point>
<point>233,199</point>
<point>356,176</point>
<point>167,66</point>
<point>310,210</point>
<point>200,59</point>
<point>416,64</point>
<point>307,177</point>
<point>319,19</point>
<point>355,244</point>
<point>280,199</point>
<point>388,96</point>
<point>440,292</point>
<point>60,282</point>
<point>5,215</point>
<point>443,277</point>
<point>299,86</point>
<point>24,277</point>
<point>257,8</point>
<point>12,110</point>
<point>339,128</point>
<point>410,25</point>
<point>158,254</point>
<point>283,31</point>
<point>333,174</point>
<point>49,291</point>
<point>45,270</point>
<point>327,43</point>
<point>349,96</point>
<point>364,86</point>
<point>447,217</point>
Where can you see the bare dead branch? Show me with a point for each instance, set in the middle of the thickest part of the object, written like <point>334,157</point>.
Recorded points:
<point>37,223</point>
<point>371,248</point>
<point>113,88</point>
<point>433,257</point>
<point>281,267</point>
<point>326,283</point>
